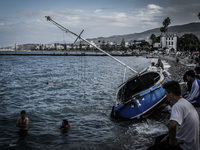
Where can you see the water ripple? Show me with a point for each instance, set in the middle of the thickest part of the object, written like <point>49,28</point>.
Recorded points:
<point>82,90</point>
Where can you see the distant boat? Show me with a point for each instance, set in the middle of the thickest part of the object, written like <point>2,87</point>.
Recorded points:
<point>139,95</point>
<point>142,94</point>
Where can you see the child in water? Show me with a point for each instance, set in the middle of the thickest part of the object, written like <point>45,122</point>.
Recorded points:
<point>65,125</point>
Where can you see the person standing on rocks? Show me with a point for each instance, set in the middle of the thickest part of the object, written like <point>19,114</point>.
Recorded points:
<point>160,64</point>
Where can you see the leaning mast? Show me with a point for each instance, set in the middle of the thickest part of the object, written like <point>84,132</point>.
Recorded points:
<point>79,37</point>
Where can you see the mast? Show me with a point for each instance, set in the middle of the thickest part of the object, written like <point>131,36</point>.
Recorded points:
<point>79,37</point>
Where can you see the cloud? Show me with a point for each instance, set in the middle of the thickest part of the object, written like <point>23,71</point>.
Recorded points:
<point>98,10</point>
<point>31,26</point>
<point>153,6</point>
<point>150,13</point>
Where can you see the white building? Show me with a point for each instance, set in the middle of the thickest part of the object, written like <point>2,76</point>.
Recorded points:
<point>169,41</point>
<point>92,43</point>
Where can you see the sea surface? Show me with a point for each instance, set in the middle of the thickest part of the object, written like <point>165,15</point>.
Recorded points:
<point>83,91</point>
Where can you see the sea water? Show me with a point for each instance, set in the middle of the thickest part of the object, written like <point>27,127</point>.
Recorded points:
<point>82,90</point>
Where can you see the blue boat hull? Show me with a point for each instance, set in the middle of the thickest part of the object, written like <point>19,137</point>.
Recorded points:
<point>142,106</point>
<point>138,97</point>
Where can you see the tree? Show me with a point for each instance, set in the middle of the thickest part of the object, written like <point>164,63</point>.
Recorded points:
<point>99,41</point>
<point>123,45</point>
<point>199,15</point>
<point>166,23</point>
<point>163,29</point>
<point>103,45</point>
<point>153,38</point>
<point>144,45</point>
<point>188,42</point>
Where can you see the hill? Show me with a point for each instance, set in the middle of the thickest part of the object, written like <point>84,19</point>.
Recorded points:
<point>193,28</point>
<point>180,30</point>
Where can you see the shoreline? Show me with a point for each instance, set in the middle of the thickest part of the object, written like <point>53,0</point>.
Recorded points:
<point>177,70</point>
<point>66,54</point>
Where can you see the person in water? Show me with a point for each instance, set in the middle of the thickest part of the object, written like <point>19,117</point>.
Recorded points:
<point>184,123</point>
<point>65,125</point>
<point>48,83</point>
<point>22,122</point>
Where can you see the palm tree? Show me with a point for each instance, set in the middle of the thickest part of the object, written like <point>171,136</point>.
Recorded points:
<point>166,22</point>
<point>163,29</point>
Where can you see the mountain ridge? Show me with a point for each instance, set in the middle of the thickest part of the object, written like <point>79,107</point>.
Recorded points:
<point>190,28</point>
<point>193,28</point>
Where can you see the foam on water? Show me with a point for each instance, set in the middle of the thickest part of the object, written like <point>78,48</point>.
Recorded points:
<point>150,129</point>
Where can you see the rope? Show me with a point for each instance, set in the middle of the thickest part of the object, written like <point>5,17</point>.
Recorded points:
<point>64,37</point>
<point>63,30</point>
<point>124,74</point>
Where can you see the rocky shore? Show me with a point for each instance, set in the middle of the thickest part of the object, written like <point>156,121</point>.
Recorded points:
<point>177,70</point>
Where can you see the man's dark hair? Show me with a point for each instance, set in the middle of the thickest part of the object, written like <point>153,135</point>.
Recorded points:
<point>190,73</point>
<point>197,69</point>
<point>65,121</point>
<point>23,112</point>
<point>173,87</point>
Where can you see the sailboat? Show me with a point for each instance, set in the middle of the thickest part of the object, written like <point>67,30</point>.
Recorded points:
<point>140,95</point>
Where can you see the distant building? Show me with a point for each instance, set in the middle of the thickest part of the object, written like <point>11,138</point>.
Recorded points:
<point>138,42</point>
<point>92,43</point>
<point>169,41</point>
<point>157,45</point>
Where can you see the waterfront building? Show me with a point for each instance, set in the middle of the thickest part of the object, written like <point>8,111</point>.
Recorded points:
<point>169,42</point>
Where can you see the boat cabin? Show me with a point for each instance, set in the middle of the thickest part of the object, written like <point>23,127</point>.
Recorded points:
<point>136,85</point>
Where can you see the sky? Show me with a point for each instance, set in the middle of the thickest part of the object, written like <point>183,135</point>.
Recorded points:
<point>23,21</point>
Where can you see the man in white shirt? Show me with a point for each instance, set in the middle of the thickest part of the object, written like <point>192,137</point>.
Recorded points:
<point>184,123</point>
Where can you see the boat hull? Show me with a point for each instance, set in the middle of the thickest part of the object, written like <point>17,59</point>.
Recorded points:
<point>142,106</point>
<point>143,103</point>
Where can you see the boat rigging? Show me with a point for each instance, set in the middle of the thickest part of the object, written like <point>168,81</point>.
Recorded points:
<point>80,37</point>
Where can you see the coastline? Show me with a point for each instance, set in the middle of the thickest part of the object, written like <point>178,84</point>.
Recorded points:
<point>177,70</point>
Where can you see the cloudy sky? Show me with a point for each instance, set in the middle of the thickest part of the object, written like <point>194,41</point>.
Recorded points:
<point>23,21</point>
